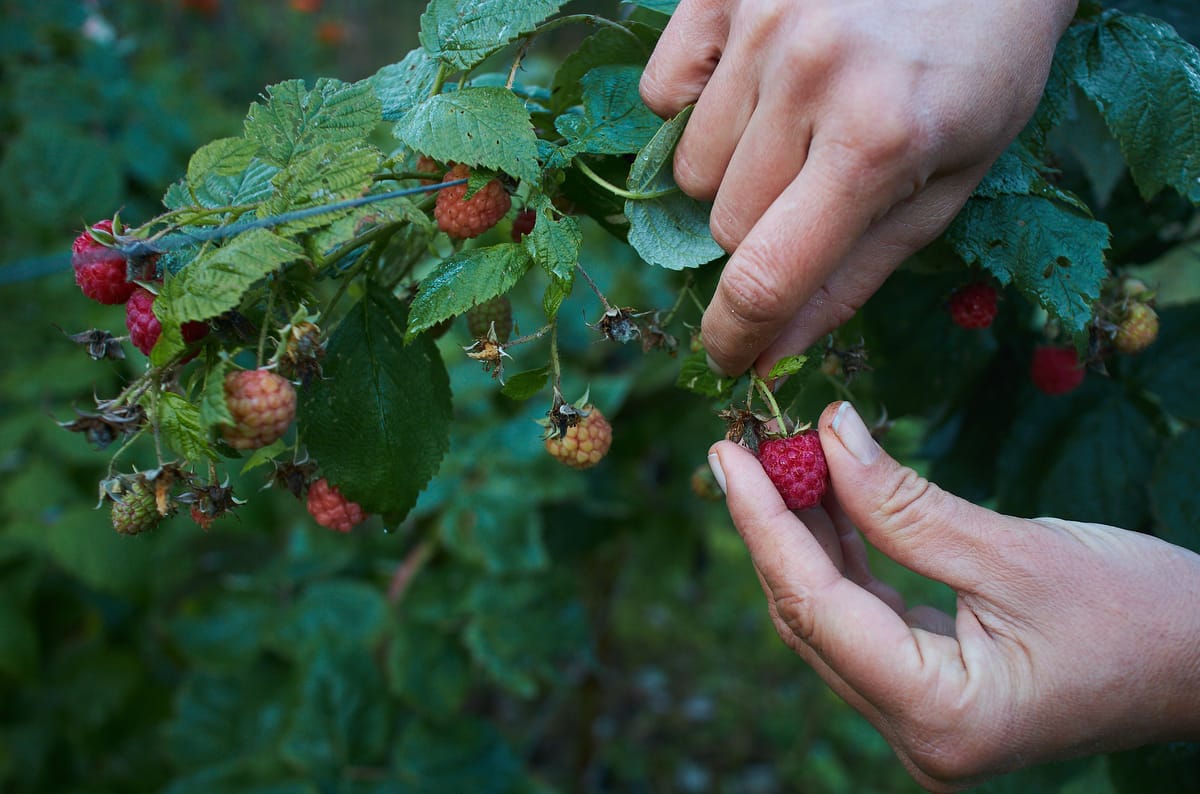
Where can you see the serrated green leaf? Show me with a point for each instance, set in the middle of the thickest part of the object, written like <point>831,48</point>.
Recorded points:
<point>465,279</point>
<point>1050,252</point>
<point>263,455</point>
<point>554,242</point>
<point>557,291</point>
<point>216,281</point>
<point>323,175</point>
<point>51,170</point>
<point>477,126</point>
<point>1145,80</point>
<point>670,231</point>
<point>214,410</point>
<point>1017,173</point>
<point>464,32</point>
<point>248,187</point>
<point>696,376</point>
<point>402,86</point>
<point>181,429</point>
<point>614,118</point>
<point>222,157</point>
<point>338,613</point>
<point>1175,491</point>
<point>605,47</point>
<point>429,669</point>
<point>220,719</point>
<point>226,634</point>
<point>346,225</point>
<point>787,366</point>
<point>463,754</point>
<point>526,384</point>
<point>1170,368</point>
<point>378,421</point>
<point>294,121</point>
<point>523,630</point>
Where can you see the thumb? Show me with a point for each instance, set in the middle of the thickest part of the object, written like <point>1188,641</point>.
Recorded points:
<point>904,515</point>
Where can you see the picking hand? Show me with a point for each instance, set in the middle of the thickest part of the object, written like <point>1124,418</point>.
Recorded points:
<point>836,138</point>
<point>1067,639</point>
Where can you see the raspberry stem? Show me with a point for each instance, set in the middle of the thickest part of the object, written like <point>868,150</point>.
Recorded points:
<point>620,192</point>
<point>765,392</point>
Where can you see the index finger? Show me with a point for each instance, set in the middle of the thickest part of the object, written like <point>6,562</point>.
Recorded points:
<point>790,252</point>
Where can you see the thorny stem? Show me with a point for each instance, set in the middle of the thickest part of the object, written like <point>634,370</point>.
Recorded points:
<point>587,19</point>
<point>402,176</point>
<point>595,289</point>
<point>616,191</point>
<point>112,463</point>
<point>555,367</point>
<point>262,333</point>
<point>516,64</point>
<point>538,334</point>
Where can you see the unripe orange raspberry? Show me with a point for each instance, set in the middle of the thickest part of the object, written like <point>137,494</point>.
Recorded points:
<point>583,445</point>
<point>464,218</point>
<point>262,404</point>
<point>1138,330</point>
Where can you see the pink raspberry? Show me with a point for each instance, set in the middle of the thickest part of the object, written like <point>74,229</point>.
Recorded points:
<point>262,405</point>
<point>144,327</point>
<point>1056,370</point>
<point>797,467</point>
<point>330,509</point>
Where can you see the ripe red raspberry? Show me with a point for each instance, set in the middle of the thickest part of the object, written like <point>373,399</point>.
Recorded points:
<point>584,444</point>
<point>797,466</point>
<point>137,512</point>
<point>973,306</point>
<point>497,310</point>
<point>144,327</point>
<point>100,271</point>
<point>330,509</point>
<point>1138,330</point>
<point>262,404</point>
<point>523,224</point>
<point>1056,370</point>
<point>474,216</point>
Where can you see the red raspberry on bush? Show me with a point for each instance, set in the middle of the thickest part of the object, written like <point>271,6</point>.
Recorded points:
<point>330,509</point>
<point>137,512</point>
<point>262,404</point>
<point>100,271</point>
<point>584,444</point>
<point>523,224</point>
<point>472,217</point>
<point>498,310</point>
<point>144,327</point>
<point>973,306</point>
<point>1138,330</point>
<point>797,467</point>
<point>1056,370</point>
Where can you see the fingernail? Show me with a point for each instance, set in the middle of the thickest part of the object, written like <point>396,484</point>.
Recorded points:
<point>716,368</point>
<point>714,463</point>
<point>848,426</point>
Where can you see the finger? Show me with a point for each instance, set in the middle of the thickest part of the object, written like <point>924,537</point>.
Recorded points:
<point>906,517</point>
<point>861,638</point>
<point>854,552</point>
<point>791,251</point>
<point>769,155</point>
<point>904,230</point>
<point>718,121</point>
<point>686,55</point>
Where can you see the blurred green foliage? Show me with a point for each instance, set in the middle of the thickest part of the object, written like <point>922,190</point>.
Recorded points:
<point>526,628</point>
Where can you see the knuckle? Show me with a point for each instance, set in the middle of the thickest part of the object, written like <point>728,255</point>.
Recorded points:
<point>654,93</point>
<point>910,504</point>
<point>795,611</point>
<point>693,180</point>
<point>833,311</point>
<point>726,228</point>
<point>749,292</point>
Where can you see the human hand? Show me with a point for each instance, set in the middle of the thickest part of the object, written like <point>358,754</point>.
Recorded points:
<point>836,138</point>
<point>1068,638</point>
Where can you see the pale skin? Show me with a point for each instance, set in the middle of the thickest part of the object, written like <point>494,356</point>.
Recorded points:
<point>836,138</point>
<point>1068,638</point>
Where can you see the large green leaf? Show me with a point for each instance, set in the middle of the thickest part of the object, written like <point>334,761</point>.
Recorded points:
<point>1170,368</point>
<point>672,230</point>
<point>226,634</point>
<point>181,428</point>
<point>216,281</point>
<point>336,613</point>
<point>605,47</point>
<point>320,176</point>
<point>554,242</point>
<point>228,719</point>
<point>465,279</point>
<point>378,422</point>
<point>294,120</point>
<point>222,157</point>
<point>1175,491</point>
<point>429,668</point>
<point>484,126</point>
<point>51,171</point>
<point>1051,252</point>
<point>461,755</point>
<point>1145,80</point>
<point>496,530</point>
<point>614,118</point>
<point>464,32</point>
<point>402,86</point>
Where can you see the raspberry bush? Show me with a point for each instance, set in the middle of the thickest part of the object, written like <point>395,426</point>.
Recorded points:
<point>494,613</point>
